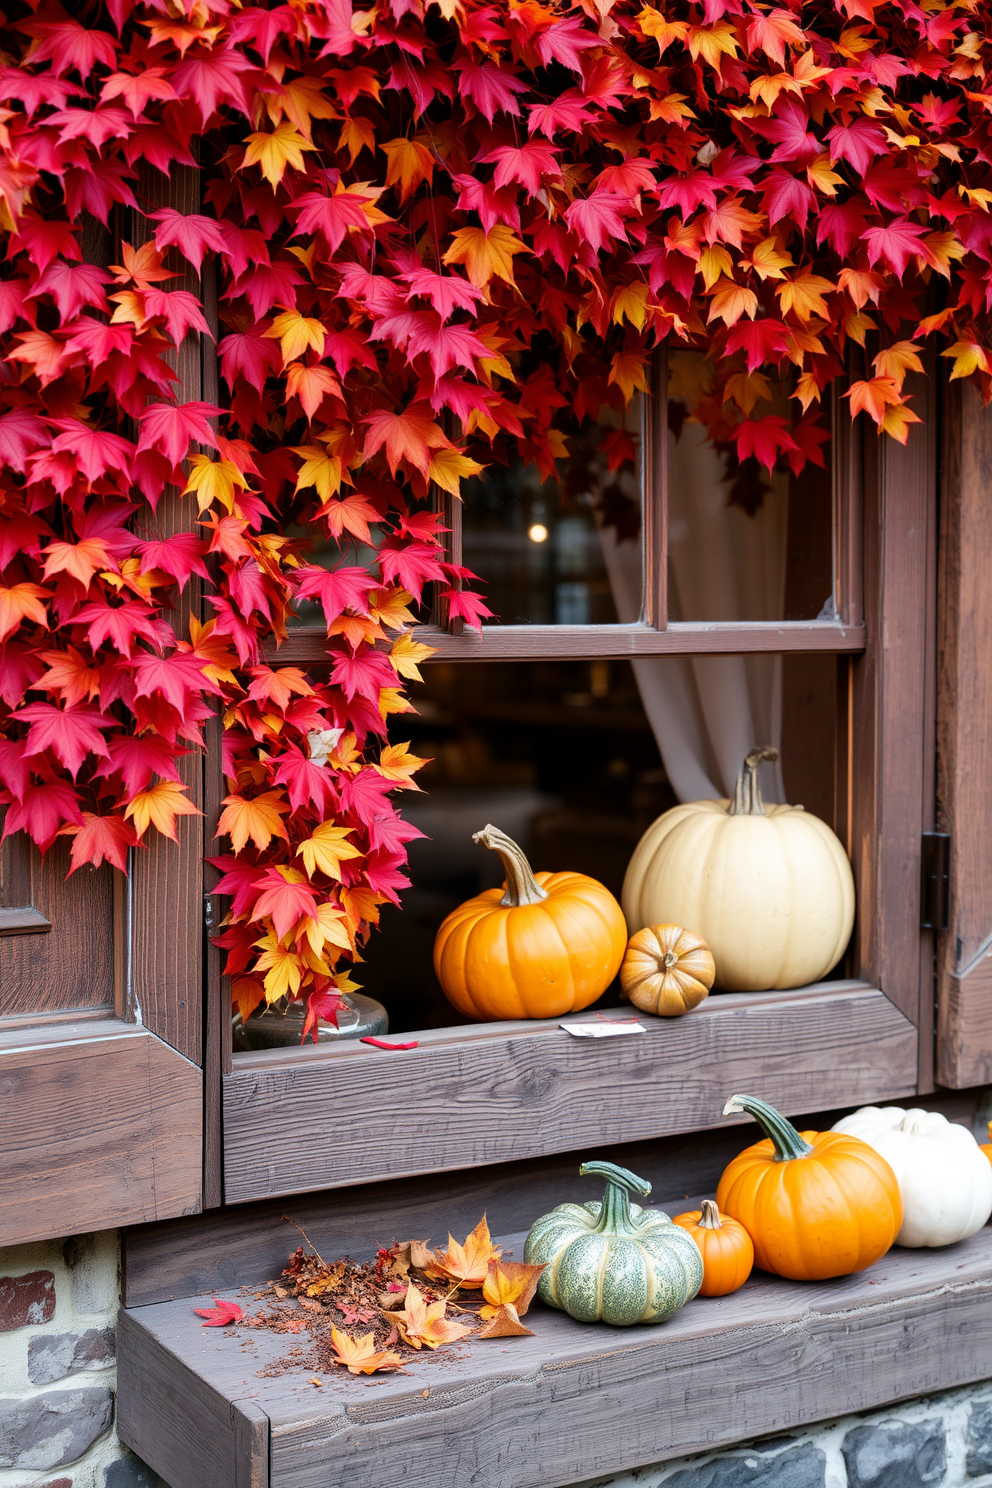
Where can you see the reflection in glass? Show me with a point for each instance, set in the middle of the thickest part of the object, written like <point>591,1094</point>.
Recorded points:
<point>538,544</point>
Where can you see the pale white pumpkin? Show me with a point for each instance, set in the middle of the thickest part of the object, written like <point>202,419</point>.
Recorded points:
<point>944,1176</point>
<point>769,888</point>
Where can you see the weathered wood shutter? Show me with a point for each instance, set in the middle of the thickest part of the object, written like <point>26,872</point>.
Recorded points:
<point>964,741</point>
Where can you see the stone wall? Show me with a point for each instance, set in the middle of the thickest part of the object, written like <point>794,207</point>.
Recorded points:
<point>58,1309</point>
<point>944,1441</point>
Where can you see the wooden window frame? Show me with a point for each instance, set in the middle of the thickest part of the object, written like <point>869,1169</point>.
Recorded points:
<point>866,1040</point>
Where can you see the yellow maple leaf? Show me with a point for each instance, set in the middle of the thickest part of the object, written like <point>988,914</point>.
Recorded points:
<point>406,655</point>
<point>509,1282</point>
<point>486,255</point>
<point>257,818</point>
<point>896,360</point>
<point>213,480</point>
<point>449,467</point>
<point>422,1324</point>
<point>360,1355</point>
<point>329,927</point>
<point>630,303</point>
<point>295,333</point>
<point>391,700</point>
<point>653,23</point>
<point>158,807</point>
<point>897,421</point>
<point>712,42</point>
<point>274,152</point>
<point>746,389</point>
<point>940,249</point>
<point>356,135</point>
<point>410,162</point>
<point>671,109</point>
<point>857,327</point>
<point>467,1265</point>
<point>730,302</point>
<point>715,261</point>
<point>821,177</point>
<point>283,968</point>
<point>301,101</point>
<point>326,849</point>
<point>803,295</point>
<point>769,260</point>
<point>969,358</point>
<point>390,607</point>
<point>397,764</point>
<point>211,648</point>
<point>861,284</point>
<point>321,470</point>
<point>627,371</point>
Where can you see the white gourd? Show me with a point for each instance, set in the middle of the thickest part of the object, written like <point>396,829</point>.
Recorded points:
<point>944,1177</point>
<point>769,888</point>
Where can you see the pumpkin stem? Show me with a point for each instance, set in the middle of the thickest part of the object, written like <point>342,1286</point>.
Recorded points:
<point>710,1217</point>
<point>747,792</point>
<point>521,885</point>
<point>615,1216</point>
<point>786,1140</point>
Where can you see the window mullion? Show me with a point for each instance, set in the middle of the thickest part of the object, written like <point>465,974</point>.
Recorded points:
<point>654,497</point>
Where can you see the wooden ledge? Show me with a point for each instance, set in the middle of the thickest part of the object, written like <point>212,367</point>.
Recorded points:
<point>100,1126</point>
<point>483,1094</point>
<point>569,1404</point>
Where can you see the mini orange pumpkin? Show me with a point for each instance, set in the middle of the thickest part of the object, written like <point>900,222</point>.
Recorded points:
<point>667,970</point>
<point>551,943</point>
<point>725,1246</point>
<point>816,1204</point>
<point>987,1146</point>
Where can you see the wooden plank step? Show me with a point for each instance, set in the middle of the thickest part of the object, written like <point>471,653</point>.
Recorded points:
<point>571,1403</point>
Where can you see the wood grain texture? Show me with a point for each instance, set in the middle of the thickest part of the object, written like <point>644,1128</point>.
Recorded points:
<point>167,879</point>
<point>188,1432</point>
<point>654,496</point>
<point>307,645</point>
<point>70,966</point>
<point>100,1125</point>
<point>557,1408</point>
<point>964,742</point>
<point>248,1244</point>
<point>487,1094</point>
<point>890,780</point>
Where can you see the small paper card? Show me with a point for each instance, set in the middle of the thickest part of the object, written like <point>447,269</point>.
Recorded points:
<point>602,1030</point>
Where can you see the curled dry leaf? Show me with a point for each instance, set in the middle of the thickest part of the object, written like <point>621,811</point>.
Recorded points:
<point>424,1324</point>
<point>509,1283</point>
<point>327,1280</point>
<point>466,1265</point>
<point>504,1322</point>
<point>360,1355</point>
<point>407,1254</point>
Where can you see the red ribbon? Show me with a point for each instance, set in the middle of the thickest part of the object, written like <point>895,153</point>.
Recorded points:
<point>381,1044</point>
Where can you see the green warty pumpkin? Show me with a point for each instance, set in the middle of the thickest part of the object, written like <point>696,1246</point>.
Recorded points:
<point>613,1261</point>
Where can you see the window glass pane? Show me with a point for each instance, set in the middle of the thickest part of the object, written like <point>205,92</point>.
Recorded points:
<point>743,544</point>
<point>565,550</point>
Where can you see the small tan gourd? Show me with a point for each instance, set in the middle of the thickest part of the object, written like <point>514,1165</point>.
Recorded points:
<point>666,970</point>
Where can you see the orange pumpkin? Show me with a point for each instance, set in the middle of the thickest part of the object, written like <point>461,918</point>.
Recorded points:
<point>550,943</point>
<point>725,1247</point>
<point>987,1146</point>
<point>666,970</point>
<point>816,1204</point>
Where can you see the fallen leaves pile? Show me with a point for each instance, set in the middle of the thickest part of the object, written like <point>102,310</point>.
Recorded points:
<point>375,1316</point>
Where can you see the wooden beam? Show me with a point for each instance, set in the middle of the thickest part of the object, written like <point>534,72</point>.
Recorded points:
<point>964,732</point>
<point>892,774</point>
<point>484,1094</point>
<point>100,1125</point>
<point>307,645</point>
<point>571,1403</point>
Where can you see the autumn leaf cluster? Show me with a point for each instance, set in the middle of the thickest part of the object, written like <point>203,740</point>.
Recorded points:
<point>418,237</point>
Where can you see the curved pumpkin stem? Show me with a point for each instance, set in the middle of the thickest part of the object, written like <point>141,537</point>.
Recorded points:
<point>710,1217</point>
<point>620,1182</point>
<point>747,792</point>
<point>521,885</point>
<point>786,1140</point>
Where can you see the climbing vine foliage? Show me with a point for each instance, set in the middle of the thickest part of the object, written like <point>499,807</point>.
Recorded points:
<point>418,237</point>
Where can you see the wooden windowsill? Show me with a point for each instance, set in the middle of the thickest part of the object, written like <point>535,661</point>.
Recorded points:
<point>571,1403</point>
<point>492,1093</point>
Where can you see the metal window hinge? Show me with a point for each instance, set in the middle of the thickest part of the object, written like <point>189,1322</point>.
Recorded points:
<point>209,922</point>
<point>935,886</point>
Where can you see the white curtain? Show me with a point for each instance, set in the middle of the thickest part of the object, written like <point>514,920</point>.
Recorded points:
<point>708,711</point>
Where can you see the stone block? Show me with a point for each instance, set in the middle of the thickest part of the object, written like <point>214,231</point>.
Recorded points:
<point>130,1472</point>
<point>803,1466</point>
<point>53,1356</point>
<point>26,1299</point>
<point>53,1429</point>
<point>896,1454</point>
<point>978,1461</point>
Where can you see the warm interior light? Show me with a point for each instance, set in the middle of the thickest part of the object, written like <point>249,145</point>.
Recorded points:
<point>537,532</point>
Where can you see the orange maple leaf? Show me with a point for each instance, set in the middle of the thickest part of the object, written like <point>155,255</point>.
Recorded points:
<point>360,1356</point>
<point>410,436</point>
<point>509,1283</point>
<point>158,807</point>
<point>423,1324</point>
<point>467,1265</point>
<point>257,818</point>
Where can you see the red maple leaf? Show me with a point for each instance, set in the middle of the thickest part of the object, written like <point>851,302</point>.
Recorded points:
<point>170,428</point>
<point>220,1314</point>
<point>283,902</point>
<point>195,236</point>
<point>324,1004</point>
<point>763,438</point>
<point>70,733</point>
<point>100,839</point>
